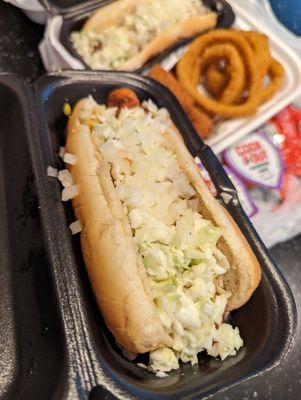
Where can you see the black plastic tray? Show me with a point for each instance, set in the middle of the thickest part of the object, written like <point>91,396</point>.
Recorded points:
<point>267,323</point>
<point>75,19</point>
<point>33,352</point>
<point>61,7</point>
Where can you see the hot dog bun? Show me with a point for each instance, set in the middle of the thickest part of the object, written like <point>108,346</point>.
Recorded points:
<point>244,276</point>
<point>114,267</point>
<point>115,12</point>
<point>116,272</point>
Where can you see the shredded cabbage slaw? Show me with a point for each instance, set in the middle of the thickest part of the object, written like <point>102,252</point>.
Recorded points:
<point>177,245</point>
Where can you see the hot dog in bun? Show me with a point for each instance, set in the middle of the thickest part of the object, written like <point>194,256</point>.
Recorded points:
<point>166,261</point>
<point>125,34</point>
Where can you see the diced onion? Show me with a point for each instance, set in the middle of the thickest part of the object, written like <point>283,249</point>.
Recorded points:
<point>75,227</point>
<point>194,204</point>
<point>161,374</point>
<point>65,178</point>
<point>62,152</point>
<point>177,245</point>
<point>69,193</point>
<point>52,172</point>
<point>69,158</point>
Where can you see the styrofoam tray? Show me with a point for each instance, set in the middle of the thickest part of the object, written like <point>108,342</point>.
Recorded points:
<point>230,131</point>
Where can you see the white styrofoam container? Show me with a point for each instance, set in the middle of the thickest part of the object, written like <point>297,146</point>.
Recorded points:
<point>32,8</point>
<point>55,57</point>
<point>266,16</point>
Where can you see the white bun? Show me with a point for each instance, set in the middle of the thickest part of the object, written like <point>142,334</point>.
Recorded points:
<point>113,13</point>
<point>116,272</point>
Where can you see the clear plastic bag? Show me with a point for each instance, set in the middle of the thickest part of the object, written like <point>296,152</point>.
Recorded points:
<point>277,215</point>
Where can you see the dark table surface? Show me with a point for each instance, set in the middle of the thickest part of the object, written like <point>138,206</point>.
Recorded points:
<point>19,38</point>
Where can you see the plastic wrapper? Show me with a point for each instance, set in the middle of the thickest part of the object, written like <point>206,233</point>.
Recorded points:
<point>276,193</point>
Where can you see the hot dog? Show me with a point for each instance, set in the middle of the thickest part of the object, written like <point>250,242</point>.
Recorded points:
<point>165,260</point>
<point>125,34</point>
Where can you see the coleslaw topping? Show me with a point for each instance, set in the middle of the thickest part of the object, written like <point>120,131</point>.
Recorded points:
<point>117,44</point>
<point>178,247</point>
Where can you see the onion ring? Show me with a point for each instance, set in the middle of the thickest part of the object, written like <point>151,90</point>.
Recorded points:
<point>216,79</point>
<point>188,72</point>
<point>235,68</point>
<point>260,47</point>
<point>276,74</point>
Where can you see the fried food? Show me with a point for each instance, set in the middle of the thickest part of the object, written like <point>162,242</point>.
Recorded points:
<point>189,73</point>
<point>260,47</point>
<point>123,98</point>
<point>201,121</point>
<point>232,67</point>
<point>216,77</point>
<point>168,80</point>
<point>235,69</point>
<point>276,75</point>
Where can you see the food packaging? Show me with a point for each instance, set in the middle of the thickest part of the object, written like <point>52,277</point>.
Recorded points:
<point>57,51</point>
<point>264,12</point>
<point>32,8</point>
<point>249,17</point>
<point>86,360</point>
<point>276,193</point>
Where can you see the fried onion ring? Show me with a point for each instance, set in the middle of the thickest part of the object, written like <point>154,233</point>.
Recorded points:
<point>189,69</point>
<point>260,47</point>
<point>235,68</point>
<point>276,75</point>
<point>216,79</point>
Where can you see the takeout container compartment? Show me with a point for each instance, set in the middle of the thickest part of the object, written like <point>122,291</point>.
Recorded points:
<point>267,323</point>
<point>33,350</point>
<point>57,37</point>
<point>32,8</point>
<point>250,15</point>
